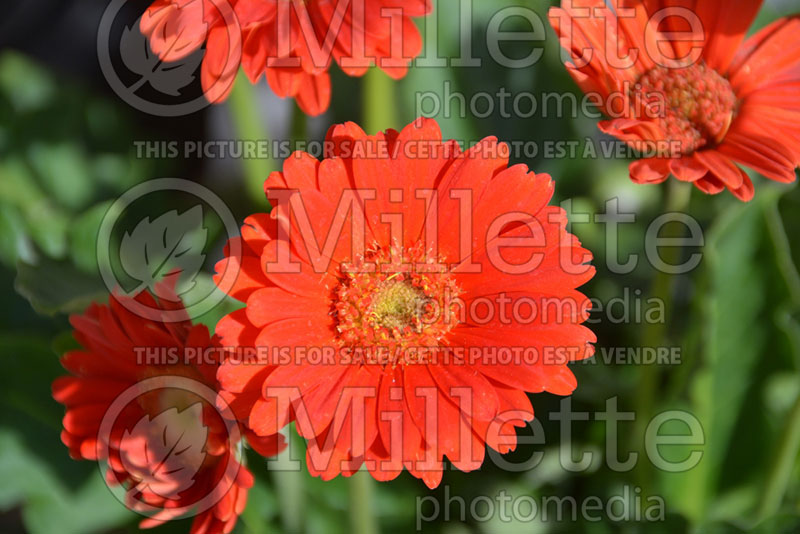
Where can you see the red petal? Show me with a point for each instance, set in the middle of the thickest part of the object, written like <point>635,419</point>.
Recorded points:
<point>649,171</point>
<point>721,166</point>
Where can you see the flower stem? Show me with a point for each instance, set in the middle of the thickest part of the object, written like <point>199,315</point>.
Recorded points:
<point>362,520</point>
<point>250,127</point>
<point>789,445</point>
<point>675,199</point>
<point>289,484</point>
<point>379,106</point>
<point>781,471</point>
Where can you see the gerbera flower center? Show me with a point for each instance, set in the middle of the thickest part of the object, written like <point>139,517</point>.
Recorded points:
<point>693,105</point>
<point>397,306</point>
<point>393,302</point>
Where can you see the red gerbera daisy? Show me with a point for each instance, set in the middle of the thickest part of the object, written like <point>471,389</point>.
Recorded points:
<point>292,42</point>
<point>141,396</point>
<point>681,83</point>
<point>405,296</point>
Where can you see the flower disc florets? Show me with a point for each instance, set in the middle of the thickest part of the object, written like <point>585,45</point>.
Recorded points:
<point>393,300</point>
<point>695,105</point>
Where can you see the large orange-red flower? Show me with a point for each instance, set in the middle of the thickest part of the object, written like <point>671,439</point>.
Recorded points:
<point>138,398</point>
<point>683,85</point>
<point>291,42</point>
<point>404,296</point>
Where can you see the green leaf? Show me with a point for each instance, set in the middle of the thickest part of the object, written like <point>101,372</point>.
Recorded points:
<point>18,185</point>
<point>48,506</point>
<point>14,243</point>
<point>45,223</point>
<point>739,283</point>
<point>48,228</point>
<point>743,284</point>
<point>118,172</point>
<point>83,237</point>
<point>57,287</point>
<point>262,507</point>
<point>27,85</point>
<point>64,172</point>
<point>55,493</point>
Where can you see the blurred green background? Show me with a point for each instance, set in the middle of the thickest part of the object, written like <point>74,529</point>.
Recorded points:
<point>67,149</point>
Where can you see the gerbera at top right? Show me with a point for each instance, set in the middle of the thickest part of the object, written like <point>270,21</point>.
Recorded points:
<point>683,86</point>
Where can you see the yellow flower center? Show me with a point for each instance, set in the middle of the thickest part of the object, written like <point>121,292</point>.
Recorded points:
<point>394,301</point>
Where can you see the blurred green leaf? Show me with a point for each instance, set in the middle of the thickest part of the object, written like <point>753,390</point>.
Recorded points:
<point>27,85</point>
<point>506,519</point>
<point>18,185</point>
<point>119,171</point>
<point>744,291</point>
<point>55,493</point>
<point>57,287</point>
<point>14,244</point>
<point>262,508</point>
<point>83,237</point>
<point>64,172</point>
<point>47,505</point>
<point>48,227</point>
<point>780,392</point>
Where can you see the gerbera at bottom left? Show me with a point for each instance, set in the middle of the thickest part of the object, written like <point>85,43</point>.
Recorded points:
<point>141,398</point>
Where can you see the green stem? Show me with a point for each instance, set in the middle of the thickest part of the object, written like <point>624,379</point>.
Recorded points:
<point>289,484</point>
<point>379,106</point>
<point>781,471</point>
<point>675,199</point>
<point>362,520</point>
<point>249,127</point>
<point>783,253</point>
<point>789,444</point>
